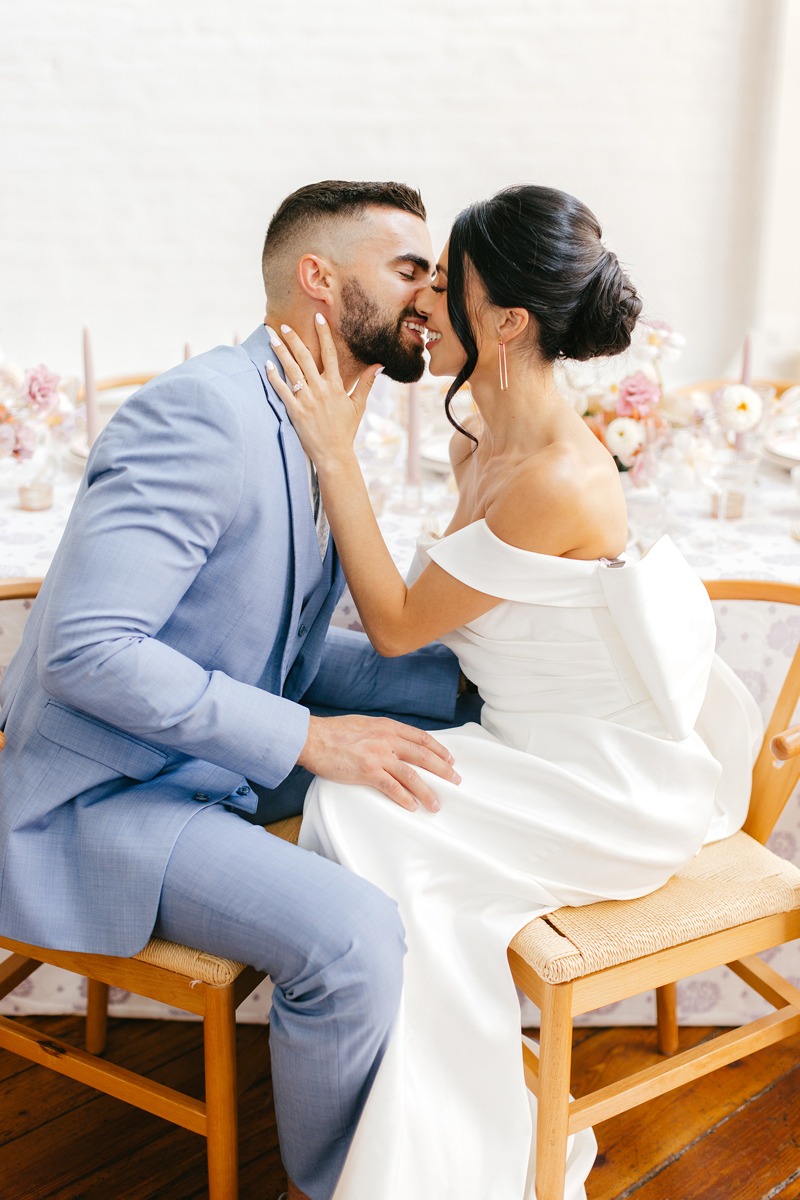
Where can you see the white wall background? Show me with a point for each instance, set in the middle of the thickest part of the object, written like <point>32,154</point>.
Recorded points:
<point>143,147</point>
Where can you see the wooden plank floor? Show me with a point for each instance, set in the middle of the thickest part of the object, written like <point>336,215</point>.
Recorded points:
<point>734,1135</point>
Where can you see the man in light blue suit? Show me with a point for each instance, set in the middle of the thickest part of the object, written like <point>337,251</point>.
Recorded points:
<point>168,669</point>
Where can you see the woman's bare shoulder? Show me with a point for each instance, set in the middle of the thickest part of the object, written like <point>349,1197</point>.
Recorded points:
<point>562,501</point>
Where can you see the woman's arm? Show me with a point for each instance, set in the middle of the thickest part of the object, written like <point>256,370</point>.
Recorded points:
<point>396,618</point>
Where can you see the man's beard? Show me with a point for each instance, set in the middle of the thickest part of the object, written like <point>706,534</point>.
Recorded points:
<point>373,337</point>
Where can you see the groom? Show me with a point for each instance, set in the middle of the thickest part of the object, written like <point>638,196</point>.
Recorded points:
<point>163,687</point>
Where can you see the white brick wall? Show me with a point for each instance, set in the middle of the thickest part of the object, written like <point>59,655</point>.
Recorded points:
<point>144,145</point>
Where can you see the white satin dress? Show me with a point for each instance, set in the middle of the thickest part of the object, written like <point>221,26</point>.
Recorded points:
<point>586,780</point>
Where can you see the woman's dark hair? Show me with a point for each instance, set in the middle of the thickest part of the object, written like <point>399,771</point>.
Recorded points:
<point>539,249</point>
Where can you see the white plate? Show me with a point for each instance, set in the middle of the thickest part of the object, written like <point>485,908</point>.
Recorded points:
<point>784,449</point>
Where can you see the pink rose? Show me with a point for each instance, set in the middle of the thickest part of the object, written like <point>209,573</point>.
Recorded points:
<point>41,389</point>
<point>638,396</point>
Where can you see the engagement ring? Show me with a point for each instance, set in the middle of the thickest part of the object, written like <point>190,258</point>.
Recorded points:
<point>297,386</point>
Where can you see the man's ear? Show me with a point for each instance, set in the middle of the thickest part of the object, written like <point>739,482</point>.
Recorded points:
<point>513,322</point>
<point>315,276</point>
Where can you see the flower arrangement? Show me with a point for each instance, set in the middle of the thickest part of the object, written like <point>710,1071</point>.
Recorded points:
<point>624,400</point>
<point>35,406</point>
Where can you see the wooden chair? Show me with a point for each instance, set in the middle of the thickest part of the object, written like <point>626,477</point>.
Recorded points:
<point>210,987</point>
<point>735,899</point>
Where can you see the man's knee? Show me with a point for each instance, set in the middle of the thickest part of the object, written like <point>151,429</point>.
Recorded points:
<point>375,960</point>
<point>359,964</point>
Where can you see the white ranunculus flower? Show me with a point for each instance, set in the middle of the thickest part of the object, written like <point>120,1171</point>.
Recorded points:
<point>683,408</point>
<point>624,436</point>
<point>739,408</point>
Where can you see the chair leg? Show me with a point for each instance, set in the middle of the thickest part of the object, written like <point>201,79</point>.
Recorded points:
<point>221,1094</point>
<point>96,1016</point>
<point>667,1013</point>
<point>555,1061</point>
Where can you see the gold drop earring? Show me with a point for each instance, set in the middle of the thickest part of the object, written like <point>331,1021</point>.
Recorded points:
<point>502,365</point>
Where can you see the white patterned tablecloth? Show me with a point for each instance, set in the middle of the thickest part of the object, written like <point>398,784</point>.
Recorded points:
<point>757,641</point>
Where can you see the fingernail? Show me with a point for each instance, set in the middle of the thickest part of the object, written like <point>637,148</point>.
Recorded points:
<point>270,365</point>
<point>435,806</point>
<point>377,373</point>
<point>456,777</point>
<point>274,340</point>
<point>286,329</point>
<point>320,319</point>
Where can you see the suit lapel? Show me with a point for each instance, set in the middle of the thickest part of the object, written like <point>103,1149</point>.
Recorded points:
<point>306,560</point>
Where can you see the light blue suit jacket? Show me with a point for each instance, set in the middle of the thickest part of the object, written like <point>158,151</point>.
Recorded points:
<point>184,617</point>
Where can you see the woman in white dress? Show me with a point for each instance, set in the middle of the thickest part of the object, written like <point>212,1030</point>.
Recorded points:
<point>587,778</point>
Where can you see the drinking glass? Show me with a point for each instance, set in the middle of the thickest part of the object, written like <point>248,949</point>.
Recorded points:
<point>727,473</point>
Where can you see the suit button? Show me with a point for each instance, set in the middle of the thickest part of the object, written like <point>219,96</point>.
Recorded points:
<point>301,631</point>
<point>244,790</point>
<point>201,796</point>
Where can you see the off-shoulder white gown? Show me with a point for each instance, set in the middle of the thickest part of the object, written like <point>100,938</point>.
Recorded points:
<point>585,780</point>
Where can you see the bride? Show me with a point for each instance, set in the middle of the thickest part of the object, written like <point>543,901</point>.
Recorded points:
<point>604,758</point>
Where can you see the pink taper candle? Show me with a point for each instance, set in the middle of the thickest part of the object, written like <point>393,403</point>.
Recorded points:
<point>413,432</point>
<point>89,391</point>
<point>747,365</point>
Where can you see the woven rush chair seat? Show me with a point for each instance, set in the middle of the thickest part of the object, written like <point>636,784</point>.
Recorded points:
<point>194,964</point>
<point>726,884</point>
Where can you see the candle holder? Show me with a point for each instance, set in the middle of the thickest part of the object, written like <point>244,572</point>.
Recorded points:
<point>36,496</point>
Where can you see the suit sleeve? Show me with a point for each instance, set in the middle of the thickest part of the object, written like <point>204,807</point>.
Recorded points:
<point>162,488</point>
<point>354,677</point>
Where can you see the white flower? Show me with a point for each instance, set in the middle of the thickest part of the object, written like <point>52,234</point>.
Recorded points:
<point>739,408</point>
<point>683,408</point>
<point>660,341</point>
<point>624,436</point>
<point>788,404</point>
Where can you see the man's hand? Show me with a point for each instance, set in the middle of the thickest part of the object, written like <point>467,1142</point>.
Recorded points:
<point>378,752</point>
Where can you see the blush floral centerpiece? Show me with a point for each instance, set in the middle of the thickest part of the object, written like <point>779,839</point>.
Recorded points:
<point>38,413</point>
<point>625,402</point>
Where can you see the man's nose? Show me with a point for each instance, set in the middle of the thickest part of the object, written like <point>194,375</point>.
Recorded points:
<point>423,301</point>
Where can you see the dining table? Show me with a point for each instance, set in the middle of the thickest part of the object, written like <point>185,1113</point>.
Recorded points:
<point>756,640</point>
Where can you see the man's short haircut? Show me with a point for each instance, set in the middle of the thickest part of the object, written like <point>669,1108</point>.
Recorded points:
<point>331,198</point>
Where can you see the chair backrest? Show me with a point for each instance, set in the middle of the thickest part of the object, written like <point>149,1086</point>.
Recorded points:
<point>20,589</point>
<point>124,381</point>
<point>773,781</point>
<point>712,385</point>
<point>119,381</point>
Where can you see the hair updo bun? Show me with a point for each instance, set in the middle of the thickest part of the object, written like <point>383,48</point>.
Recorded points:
<point>606,315</point>
<point>539,249</point>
